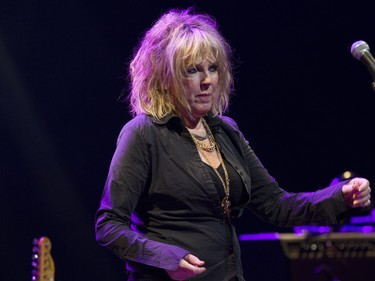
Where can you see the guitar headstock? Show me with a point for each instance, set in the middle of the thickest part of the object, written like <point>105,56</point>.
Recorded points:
<point>42,261</point>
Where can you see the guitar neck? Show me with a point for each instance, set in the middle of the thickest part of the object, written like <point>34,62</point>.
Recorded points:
<point>43,264</point>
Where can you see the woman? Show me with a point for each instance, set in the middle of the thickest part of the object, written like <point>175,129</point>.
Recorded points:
<point>182,171</point>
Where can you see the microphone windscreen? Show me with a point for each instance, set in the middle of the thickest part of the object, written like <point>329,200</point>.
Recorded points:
<point>358,48</point>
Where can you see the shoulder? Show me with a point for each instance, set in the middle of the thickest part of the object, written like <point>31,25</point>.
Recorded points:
<point>137,127</point>
<point>230,126</point>
<point>138,122</point>
<point>229,123</point>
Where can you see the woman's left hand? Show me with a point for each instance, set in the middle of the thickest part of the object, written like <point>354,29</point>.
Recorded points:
<point>190,266</point>
<point>357,193</point>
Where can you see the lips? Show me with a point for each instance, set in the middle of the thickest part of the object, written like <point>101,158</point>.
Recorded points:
<point>204,97</point>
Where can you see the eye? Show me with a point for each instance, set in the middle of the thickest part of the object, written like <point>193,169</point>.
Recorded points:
<point>192,70</point>
<point>213,68</point>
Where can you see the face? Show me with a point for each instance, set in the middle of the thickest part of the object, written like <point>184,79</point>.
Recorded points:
<point>201,86</point>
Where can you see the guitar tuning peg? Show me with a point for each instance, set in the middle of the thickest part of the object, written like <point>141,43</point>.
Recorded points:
<point>35,250</point>
<point>34,256</point>
<point>34,275</point>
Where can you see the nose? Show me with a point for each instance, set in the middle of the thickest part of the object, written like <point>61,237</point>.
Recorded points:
<point>205,82</point>
<point>205,78</point>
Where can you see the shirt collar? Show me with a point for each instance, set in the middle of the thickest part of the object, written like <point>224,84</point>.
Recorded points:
<point>211,120</point>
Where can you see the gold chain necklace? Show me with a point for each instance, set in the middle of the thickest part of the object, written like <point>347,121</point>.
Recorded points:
<point>201,144</point>
<point>225,203</point>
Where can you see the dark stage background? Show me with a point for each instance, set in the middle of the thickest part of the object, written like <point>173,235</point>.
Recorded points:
<point>302,100</point>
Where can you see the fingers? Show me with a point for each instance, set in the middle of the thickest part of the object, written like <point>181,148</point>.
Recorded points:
<point>193,260</point>
<point>364,190</point>
<point>191,269</point>
<point>358,193</point>
<point>193,264</point>
<point>361,199</point>
<point>359,183</point>
<point>189,266</point>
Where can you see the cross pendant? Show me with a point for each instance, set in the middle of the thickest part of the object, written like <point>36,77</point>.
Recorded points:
<point>225,204</point>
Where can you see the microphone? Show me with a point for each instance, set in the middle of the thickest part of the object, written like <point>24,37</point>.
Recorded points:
<point>361,51</point>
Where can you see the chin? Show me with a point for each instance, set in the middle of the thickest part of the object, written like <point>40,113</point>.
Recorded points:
<point>202,110</point>
<point>201,113</point>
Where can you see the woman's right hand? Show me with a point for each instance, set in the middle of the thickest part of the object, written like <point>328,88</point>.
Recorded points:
<point>189,266</point>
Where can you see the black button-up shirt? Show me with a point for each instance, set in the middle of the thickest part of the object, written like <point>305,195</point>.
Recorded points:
<point>160,202</point>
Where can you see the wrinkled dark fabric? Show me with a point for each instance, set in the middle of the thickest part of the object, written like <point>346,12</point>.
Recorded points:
<point>160,202</point>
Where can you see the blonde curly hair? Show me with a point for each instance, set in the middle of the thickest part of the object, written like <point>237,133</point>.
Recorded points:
<point>179,39</point>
